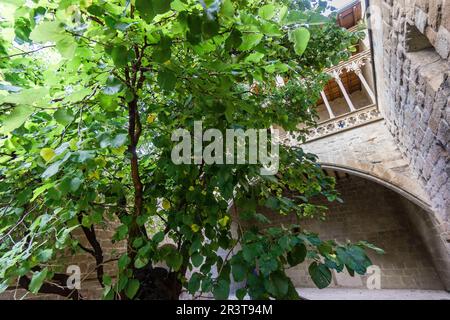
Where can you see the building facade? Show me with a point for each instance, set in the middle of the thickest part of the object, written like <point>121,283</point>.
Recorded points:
<point>383,132</point>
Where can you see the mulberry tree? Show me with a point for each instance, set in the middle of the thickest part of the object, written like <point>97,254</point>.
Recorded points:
<point>90,94</point>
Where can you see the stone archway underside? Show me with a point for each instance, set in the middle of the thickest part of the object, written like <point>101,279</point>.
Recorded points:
<point>370,152</point>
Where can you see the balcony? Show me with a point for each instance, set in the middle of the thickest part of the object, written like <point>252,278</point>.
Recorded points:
<point>348,100</point>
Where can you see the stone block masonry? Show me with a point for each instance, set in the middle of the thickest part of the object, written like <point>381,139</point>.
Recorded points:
<point>374,213</point>
<point>414,89</point>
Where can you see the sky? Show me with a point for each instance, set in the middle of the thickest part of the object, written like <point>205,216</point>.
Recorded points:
<point>340,3</point>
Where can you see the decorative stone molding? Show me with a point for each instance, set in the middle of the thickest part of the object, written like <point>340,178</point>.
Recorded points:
<point>347,121</point>
<point>353,64</point>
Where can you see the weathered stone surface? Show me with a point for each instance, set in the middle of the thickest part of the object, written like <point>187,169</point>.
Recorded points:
<point>421,20</point>
<point>421,133</point>
<point>369,149</point>
<point>443,42</point>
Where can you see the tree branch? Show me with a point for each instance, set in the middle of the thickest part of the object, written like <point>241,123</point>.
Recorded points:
<point>97,251</point>
<point>51,288</point>
<point>27,52</point>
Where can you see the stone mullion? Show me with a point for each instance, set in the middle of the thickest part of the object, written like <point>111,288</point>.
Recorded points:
<point>327,104</point>
<point>344,92</point>
<point>366,85</point>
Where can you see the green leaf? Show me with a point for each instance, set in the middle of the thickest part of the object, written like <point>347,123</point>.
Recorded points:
<point>140,262</point>
<point>45,255</point>
<point>96,10</point>
<point>108,102</point>
<point>254,57</point>
<point>107,280</point>
<point>227,9</point>
<point>132,288</point>
<point>196,245</point>
<point>174,260</point>
<point>277,284</point>
<point>37,280</point>
<point>354,258</point>
<point>241,293</point>
<point>167,80</point>
<point>295,16</point>
<point>145,9</point>
<point>75,184</point>
<point>234,40</point>
<point>316,18</point>
<point>22,30</point>
<point>161,6</point>
<point>158,237</point>
<point>63,116</point>
<point>119,54</point>
<point>278,67</point>
<point>113,86</point>
<point>148,9</point>
<point>320,275</point>
<point>51,170</point>
<point>267,11</point>
<point>162,52</point>
<point>197,259</point>
<point>250,252</point>
<point>371,246</point>
<point>261,218</point>
<point>16,118</point>
<point>239,271</point>
<point>66,47</point>
<point>297,255</point>
<point>271,29</point>
<point>47,154</point>
<point>223,221</point>
<point>250,40</point>
<point>123,262</point>
<point>122,232</point>
<point>300,38</point>
<point>48,31</point>
<point>26,97</point>
<point>221,290</point>
<point>38,191</point>
<point>194,283</point>
<point>282,13</point>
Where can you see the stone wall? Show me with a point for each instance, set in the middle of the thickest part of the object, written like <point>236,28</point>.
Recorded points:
<point>412,46</point>
<point>374,213</point>
<point>369,150</point>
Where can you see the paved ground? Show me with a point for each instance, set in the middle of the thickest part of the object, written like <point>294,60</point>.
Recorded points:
<point>359,294</point>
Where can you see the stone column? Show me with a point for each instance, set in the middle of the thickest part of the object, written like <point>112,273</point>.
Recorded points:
<point>327,104</point>
<point>337,78</point>
<point>366,85</point>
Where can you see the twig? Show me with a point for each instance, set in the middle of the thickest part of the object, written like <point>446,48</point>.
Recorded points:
<point>27,52</point>
<point>18,223</point>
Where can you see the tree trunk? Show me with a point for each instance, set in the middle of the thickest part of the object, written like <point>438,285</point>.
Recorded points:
<point>158,284</point>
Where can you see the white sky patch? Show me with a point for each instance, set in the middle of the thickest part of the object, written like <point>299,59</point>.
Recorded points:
<point>340,3</point>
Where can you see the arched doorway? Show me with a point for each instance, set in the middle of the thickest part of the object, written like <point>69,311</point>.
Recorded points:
<point>389,218</point>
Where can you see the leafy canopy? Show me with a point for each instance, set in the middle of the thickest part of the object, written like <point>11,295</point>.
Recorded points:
<point>90,92</point>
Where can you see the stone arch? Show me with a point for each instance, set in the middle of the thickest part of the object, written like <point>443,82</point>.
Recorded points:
<point>370,151</point>
<point>390,184</point>
<point>417,213</point>
<point>416,256</point>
